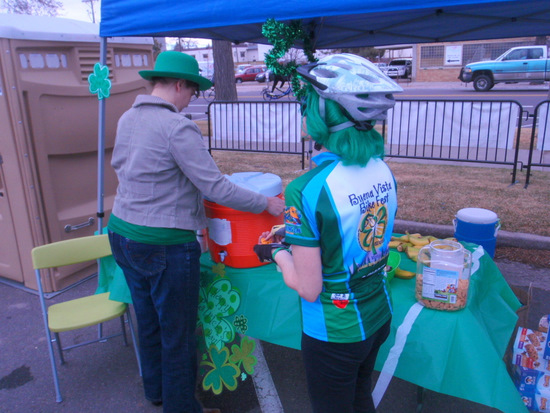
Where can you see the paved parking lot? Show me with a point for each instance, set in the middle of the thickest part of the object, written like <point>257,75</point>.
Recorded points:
<point>104,377</point>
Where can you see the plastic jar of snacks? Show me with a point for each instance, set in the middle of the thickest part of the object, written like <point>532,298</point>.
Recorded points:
<point>443,275</point>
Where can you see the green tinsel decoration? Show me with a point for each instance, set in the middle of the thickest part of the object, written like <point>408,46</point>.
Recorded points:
<point>283,37</point>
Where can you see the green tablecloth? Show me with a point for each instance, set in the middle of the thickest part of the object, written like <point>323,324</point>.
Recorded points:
<point>456,353</point>
<point>271,309</point>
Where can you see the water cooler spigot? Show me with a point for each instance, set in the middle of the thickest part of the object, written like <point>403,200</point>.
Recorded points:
<point>222,255</point>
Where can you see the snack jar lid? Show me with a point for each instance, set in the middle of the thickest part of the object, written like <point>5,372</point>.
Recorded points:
<point>267,184</point>
<point>477,216</point>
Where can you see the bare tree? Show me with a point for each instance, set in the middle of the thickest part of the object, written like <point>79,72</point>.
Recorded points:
<point>159,45</point>
<point>91,8</point>
<point>371,53</point>
<point>185,44</point>
<point>35,7</point>
<point>224,70</point>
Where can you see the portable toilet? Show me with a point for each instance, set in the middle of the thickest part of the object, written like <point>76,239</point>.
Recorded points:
<point>49,134</point>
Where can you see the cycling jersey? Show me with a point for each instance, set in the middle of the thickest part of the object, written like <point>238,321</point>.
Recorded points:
<point>347,211</point>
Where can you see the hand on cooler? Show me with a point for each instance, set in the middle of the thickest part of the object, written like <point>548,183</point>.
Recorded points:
<point>275,205</point>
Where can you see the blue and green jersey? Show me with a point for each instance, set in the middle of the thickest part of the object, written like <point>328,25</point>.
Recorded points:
<point>347,211</point>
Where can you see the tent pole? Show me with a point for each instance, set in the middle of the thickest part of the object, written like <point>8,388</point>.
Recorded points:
<point>101,144</point>
<point>101,162</point>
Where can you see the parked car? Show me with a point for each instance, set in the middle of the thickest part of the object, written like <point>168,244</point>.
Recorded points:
<point>249,74</point>
<point>399,68</point>
<point>261,77</point>
<point>382,66</point>
<point>240,68</point>
<point>518,64</point>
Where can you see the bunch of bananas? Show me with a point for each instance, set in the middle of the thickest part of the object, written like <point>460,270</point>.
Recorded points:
<point>411,244</point>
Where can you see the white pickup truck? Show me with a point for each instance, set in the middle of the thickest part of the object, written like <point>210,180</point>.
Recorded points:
<point>399,68</point>
<point>518,64</point>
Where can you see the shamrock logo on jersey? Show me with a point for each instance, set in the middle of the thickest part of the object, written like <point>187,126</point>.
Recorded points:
<point>372,227</point>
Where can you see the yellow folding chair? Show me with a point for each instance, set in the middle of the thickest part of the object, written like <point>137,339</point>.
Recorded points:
<point>81,312</point>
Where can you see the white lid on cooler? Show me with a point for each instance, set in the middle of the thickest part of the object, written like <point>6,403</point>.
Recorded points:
<point>267,184</point>
<point>477,216</point>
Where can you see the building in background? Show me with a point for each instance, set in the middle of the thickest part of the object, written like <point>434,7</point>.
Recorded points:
<point>432,62</point>
<point>441,62</point>
<point>244,53</point>
<point>398,51</point>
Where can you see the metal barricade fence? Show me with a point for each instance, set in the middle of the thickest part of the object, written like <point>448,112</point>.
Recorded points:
<point>455,130</point>
<point>272,127</point>
<point>539,147</point>
<point>472,131</point>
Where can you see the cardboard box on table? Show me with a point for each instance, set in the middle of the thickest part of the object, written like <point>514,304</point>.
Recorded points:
<point>531,366</point>
<point>533,386</point>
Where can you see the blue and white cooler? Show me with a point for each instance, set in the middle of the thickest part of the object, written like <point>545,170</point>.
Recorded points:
<point>479,226</point>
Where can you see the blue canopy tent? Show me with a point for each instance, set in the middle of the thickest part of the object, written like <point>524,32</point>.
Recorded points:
<point>346,23</point>
<point>331,24</point>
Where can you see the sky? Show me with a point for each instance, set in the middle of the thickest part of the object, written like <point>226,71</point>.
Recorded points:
<point>75,9</point>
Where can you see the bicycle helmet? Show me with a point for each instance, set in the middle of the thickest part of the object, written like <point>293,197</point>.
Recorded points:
<point>354,83</point>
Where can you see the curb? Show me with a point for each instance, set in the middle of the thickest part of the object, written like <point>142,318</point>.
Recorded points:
<point>504,238</point>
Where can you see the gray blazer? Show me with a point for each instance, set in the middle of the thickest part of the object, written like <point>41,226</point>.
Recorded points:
<point>164,169</point>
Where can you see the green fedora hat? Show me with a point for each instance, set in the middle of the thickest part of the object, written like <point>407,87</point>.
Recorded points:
<point>177,65</point>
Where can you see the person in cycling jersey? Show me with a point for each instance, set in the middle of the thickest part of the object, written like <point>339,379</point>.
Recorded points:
<point>339,220</point>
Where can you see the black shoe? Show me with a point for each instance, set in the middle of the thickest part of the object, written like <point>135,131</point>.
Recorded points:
<point>155,402</point>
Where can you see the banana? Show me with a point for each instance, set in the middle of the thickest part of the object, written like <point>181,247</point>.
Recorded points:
<point>419,241</point>
<point>403,246</point>
<point>406,275</point>
<point>395,244</point>
<point>412,253</point>
<point>399,245</point>
<point>412,243</point>
<point>402,238</point>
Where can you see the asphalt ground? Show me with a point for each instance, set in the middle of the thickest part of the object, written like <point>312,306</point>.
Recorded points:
<point>104,377</point>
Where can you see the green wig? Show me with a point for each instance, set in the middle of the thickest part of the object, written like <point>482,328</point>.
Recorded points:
<point>355,147</point>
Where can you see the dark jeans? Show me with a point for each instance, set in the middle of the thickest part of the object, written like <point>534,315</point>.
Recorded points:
<point>339,374</point>
<point>164,283</point>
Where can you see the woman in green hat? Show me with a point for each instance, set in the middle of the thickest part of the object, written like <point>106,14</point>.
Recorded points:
<point>164,169</point>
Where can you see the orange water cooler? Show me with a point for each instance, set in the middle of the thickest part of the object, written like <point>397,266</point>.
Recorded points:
<point>232,234</point>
